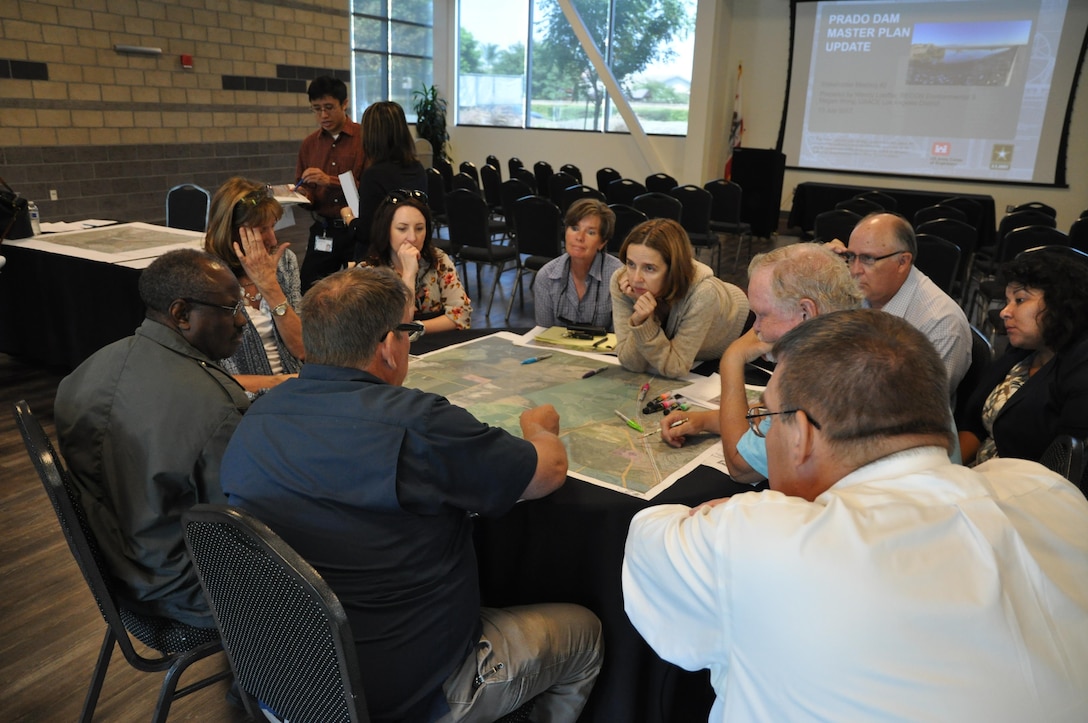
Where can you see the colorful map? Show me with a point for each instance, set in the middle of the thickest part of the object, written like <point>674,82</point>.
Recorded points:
<point>487,378</point>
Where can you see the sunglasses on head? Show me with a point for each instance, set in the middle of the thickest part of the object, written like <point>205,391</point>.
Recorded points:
<point>403,194</point>
<point>248,201</point>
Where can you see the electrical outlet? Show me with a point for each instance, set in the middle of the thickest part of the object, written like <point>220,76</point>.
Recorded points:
<point>52,194</point>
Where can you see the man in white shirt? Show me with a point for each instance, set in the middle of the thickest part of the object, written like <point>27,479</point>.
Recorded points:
<point>881,258</point>
<point>875,580</point>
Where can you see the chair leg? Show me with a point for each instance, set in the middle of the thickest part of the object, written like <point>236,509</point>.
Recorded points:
<point>98,677</point>
<point>169,691</point>
<point>494,285</point>
<point>513,291</point>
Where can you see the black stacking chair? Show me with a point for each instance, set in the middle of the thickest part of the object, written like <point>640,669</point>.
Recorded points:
<point>1078,234</point>
<point>178,645</point>
<point>543,172</point>
<point>467,182</point>
<point>572,170</point>
<point>470,168</point>
<point>725,205</point>
<point>509,192</point>
<point>886,202</point>
<point>982,354</point>
<point>964,236</point>
<point>660,182</point>
<point>938,210</point>
<point>284,629</point>
<point>627,217</point>
<point>860,206</point>
<point>492,183</point>
<point>624,190</point>
<point>1029,237</point>
<point>605,176</point>
<point>436,199</point>
<point>574,193</point>
<point>444,168</point>
<point>695,218</point>
<point>835,224</point>
<point>558,183</point>
<point>493,161</point>
<point>470,232</point>
<point>512,163</point>
<point>971,209</point>
<point>1065,455</point>
<point>539,240</point>
<point>187,207</point>
<point>526,176</point>
<point>1036,206</point>
<point>939,259</point>
<point>658,205</point>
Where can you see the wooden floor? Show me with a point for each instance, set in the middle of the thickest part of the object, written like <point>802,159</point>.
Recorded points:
<point>50,628</point>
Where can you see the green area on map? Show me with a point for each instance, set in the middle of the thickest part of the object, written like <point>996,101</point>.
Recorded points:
<point>487,378</point>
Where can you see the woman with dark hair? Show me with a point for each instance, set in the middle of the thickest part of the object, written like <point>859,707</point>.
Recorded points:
<point>573,288</point>
<point>670,310</point>
<point>1039,389</point>
<point>391,164</point>
<point>240,232</point>
<point>401,239</point>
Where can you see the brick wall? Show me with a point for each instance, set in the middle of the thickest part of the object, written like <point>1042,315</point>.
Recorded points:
<point>112,131</point>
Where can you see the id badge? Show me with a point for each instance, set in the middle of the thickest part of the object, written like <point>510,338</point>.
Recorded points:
<point>323,243</point>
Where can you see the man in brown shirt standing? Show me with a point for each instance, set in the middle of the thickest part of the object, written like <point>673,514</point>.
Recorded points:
<point>335,147</point>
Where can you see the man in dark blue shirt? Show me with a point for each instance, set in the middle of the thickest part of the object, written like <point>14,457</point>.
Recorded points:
<point>374,484</point>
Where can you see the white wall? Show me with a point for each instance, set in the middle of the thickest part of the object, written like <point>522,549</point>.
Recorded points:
<point>755,33</point>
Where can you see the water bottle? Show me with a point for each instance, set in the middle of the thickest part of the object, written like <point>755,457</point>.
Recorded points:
<point>35,218</point>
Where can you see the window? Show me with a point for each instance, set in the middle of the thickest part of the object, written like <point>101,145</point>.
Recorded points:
<point>520,64</point>
<point>393,51</point>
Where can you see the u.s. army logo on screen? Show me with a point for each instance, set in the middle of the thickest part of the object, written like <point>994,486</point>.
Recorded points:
<point>1001,157</point>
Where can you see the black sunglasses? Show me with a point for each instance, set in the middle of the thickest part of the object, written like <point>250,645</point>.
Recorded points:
<point>403,194</point>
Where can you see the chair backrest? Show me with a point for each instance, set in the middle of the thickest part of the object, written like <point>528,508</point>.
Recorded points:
<point>936,211</point>
<point>1066,456</point>
<point>982,354</point>
<point>543,172</point>
<point>468,219</point>
<point>1036,206</point>
<point>470,168</point>
<point>1065,253</point>
<point>436,193</point>
<point>658,205</point>
<point>444,168</point>
<point>960,233</point>
<point>627,217</point>
<point>1078,234</point>
<point>1027,237</point>
<point>971,208</point>
<point>467,182</point>
<point>835,224</point>
<point>696,203</point>
<point>939,259</point>
<point>512,163</point>
<point>541,227</point>
<point>860,206</point>
<point>509,192</point>
<point>158,633</point>
<point>725,200</point>
<point>624,190</point>
<point>886,202</point>
<point>286,633</point>
<point>605,176</point>
<point>187,207</point>
<point>572,170</point>
<point>558,183</point>
<point>492,183</point>
<point>574,193</point>
<point>493,161</point>
<point>1018,219</point>
<point>525,176</point>
<point>660,182</point>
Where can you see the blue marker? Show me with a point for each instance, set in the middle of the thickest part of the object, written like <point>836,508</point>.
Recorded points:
<point>535,359</point>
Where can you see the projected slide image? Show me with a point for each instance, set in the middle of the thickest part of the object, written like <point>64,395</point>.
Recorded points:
<point>971,54</point>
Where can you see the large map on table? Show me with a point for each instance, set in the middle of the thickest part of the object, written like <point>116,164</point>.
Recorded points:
<point>487,378</point>
<point>123,237</point>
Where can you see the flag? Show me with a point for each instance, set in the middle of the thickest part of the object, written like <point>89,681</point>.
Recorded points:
<point>736,129</point>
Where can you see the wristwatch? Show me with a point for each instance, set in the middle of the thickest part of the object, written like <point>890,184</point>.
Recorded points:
<point>280,309</point>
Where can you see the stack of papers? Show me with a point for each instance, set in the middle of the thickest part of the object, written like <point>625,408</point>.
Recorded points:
<point>560,337</point>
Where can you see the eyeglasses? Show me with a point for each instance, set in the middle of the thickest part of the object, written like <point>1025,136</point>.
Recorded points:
<point>415,329</point>
<point>756,413</point>
<point>234,310</point>
<point>251,199</point>
<point>403,194</point>
<point>329,108</point>
<point>867,260</point>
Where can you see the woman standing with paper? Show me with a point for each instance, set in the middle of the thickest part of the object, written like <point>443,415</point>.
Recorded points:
<point>391,165</point>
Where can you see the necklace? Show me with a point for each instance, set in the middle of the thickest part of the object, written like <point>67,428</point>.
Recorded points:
<point>254,297</point>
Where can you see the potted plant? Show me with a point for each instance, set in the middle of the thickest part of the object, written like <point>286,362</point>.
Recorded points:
<point>431,119</point>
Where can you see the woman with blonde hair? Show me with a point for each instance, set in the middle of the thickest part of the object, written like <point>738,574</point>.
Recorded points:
<point>391,164</point>
<point>240,232</point>
<point>670,310</point>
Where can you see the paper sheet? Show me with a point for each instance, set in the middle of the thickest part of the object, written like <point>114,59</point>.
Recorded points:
<point>351,191</point>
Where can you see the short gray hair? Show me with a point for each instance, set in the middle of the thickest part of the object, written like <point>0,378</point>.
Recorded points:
<point>809,271</point>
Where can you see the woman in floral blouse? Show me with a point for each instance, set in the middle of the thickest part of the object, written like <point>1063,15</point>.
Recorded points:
<point>401,238</point>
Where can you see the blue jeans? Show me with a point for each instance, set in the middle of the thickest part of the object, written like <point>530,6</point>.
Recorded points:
<point>550,653</point>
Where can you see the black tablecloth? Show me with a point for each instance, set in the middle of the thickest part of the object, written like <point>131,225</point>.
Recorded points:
<point>58,310</point>
<point>811,199</point>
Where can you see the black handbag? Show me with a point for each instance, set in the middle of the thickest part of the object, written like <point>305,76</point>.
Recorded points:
<point>14,214</point>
